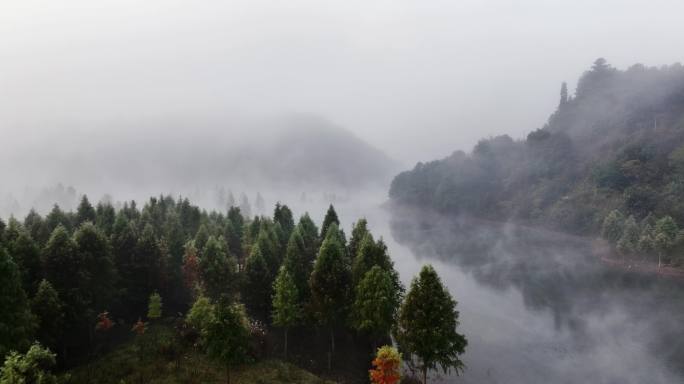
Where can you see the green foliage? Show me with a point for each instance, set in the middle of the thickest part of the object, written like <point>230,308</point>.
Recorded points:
<point>286,307</point>
<point>376,302</point>
<point>30,368</point>
<point>330,282</point>
<point>26,254</point>
<point>629,241</point>
<point>258,285</point>
<point>359,232</point>
<point>85,211</point>
<point>427,324</point>
<point>218,270</point>
<point>96,266</point>
<point>16,321</point>
<point>612,226</point>
<point>329,220</point>
<point>201,314</point>
<point>48,309</point>
<point>283,216</point>
<point>297,264</point>
<point>226,336</point>
<point>666,232</point>
<point>154,307</point>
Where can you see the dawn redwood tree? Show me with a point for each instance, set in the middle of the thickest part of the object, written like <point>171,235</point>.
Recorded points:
<point>218,269</point>
<point>191,269</point>
<point>330,219</point>
<point>666,232</point>
<point>37,228</point>
<point>358,233</point>
<point>226,336</point>
<point>57,217</point>
<point>375,304</point>
<point>258,284</point>
<point>297,265</point>
<point>201,237</point>
<point>309,232</point>
<point>16,321</point>
<point>26,254</point>
<point>95,255</point>
<point>85,212</point>
<point>283,215</point>
<point>48,309</point>
<point>105,217</point>
<point>286,306</point>
<point>330,284</point>
<point>612,226</point>
<point>427,325</point>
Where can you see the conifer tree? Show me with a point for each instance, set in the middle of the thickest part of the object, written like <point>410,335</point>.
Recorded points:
<point>376,302</point>
<point>48,309</point>
<point>32,367</point>
<point>218,270</point>
<point>330,218</point>
<point>154,307</point>
<point>85,212</point>
<point>16,321</point>
<point>226,336</point>
<point>330,284</point>
<point>286,306</point>
<point>258,286</point>
<point>427,325</point>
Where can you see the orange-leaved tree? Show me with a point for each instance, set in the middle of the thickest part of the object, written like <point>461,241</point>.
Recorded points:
<point>386,366</point>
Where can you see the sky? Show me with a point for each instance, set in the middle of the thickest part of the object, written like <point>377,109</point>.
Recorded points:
<point>417,79</point>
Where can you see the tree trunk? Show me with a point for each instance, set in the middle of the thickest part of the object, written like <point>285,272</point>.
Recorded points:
<point>227,374</point>
<point>332,339</point>
<point>659,255</point>
<point>424,375</point>
<point>285,343</point>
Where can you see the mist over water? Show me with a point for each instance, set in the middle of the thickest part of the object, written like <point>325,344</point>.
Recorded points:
<point>539,307</point>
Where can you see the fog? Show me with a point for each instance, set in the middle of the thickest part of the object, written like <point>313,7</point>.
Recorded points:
<point>416,79</point>
<point>310,103</point>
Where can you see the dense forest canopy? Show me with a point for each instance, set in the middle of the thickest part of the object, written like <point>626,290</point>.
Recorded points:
<point>226,280</point>
<point>617,144</point>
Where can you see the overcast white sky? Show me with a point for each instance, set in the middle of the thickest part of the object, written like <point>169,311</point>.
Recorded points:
<point>415,78</point>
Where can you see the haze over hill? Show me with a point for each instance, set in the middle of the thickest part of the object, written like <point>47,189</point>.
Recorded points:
<point>134,158</point>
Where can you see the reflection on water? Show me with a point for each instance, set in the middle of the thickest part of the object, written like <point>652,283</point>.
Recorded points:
<point>538,307</point>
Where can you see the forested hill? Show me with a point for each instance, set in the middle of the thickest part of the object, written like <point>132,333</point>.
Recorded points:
<point>617,144</point>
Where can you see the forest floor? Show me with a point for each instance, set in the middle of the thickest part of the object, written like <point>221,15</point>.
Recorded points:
<point>125,364</point>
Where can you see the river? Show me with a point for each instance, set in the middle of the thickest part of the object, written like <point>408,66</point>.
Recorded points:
<point>536,306</point>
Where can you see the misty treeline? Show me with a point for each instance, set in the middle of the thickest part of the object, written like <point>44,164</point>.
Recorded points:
<point>80,282</point>
<point>617,144</point>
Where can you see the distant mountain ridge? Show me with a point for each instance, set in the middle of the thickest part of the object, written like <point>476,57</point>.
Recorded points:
<point>618,143</point>
<point>158,155</point>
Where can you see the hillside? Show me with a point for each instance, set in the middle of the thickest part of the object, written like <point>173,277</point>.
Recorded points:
<point>204,152</point>
<point>617,144</point>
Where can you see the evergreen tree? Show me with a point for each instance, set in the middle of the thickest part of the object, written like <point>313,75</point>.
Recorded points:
<point>105,217</point>
<point>612,226</point>
<point>202,236</point>
<point>309,232</point>
<point>97,267</point>
<point>330,284</point>
<point>330,219</point>
<point>85,212</point>
<point>147,269</point>
<point>245,207</point>
<point>48,309</point>
<point>286,306</point>
<point>124,247</point>
<point>376,303</point>
<point>646,240</point>
<point>370,254</point>
<point>258,286</point>
<point>16,321</point>
<point>427,325</point>
<point>359,232</point>
<point>233,238</point>
<point>26,254</point>
<point>226,336</point>
<point>37,228</point>
<point>297,265</point>
<point>283,215</point>
<point>666,232</point>
<point>629,241</point>
<point>218,270</point>
<point>57,217</point>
